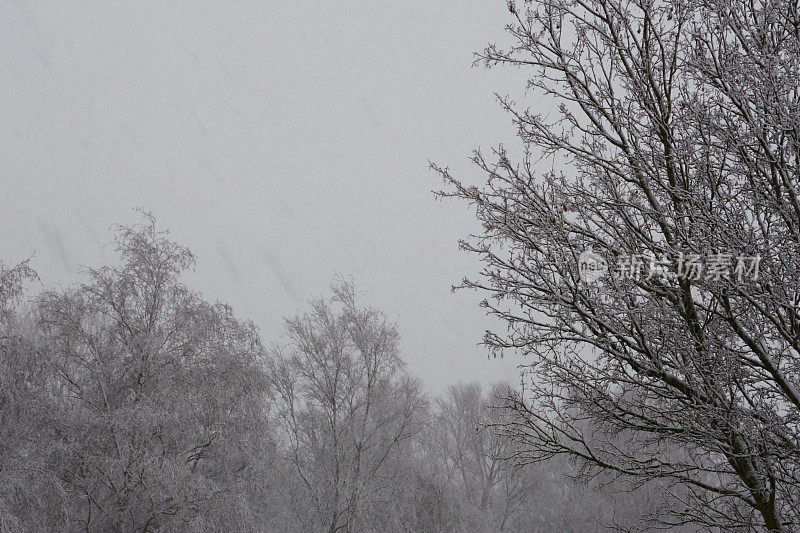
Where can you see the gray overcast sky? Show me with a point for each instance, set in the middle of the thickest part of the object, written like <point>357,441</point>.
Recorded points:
<point>282,142</point>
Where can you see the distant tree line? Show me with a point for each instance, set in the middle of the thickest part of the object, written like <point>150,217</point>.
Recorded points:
<point>130,403</point>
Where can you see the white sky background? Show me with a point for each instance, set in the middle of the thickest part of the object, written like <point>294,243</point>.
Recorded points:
<point>282,142</point>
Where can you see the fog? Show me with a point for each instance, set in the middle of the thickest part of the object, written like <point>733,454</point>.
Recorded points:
<point>283,143</point>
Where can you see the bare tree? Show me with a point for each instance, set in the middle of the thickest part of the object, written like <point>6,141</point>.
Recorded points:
<point>346,406</point>
<point>31,497</point>
<point>475,457</point>
<point>157,398</point>
<point>677,126</point>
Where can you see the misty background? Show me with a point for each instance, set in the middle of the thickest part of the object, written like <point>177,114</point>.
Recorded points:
<point>282,143</point>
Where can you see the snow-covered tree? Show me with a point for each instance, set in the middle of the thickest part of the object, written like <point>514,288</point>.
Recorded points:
<point>673,158</point>
<point>346,408</point>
